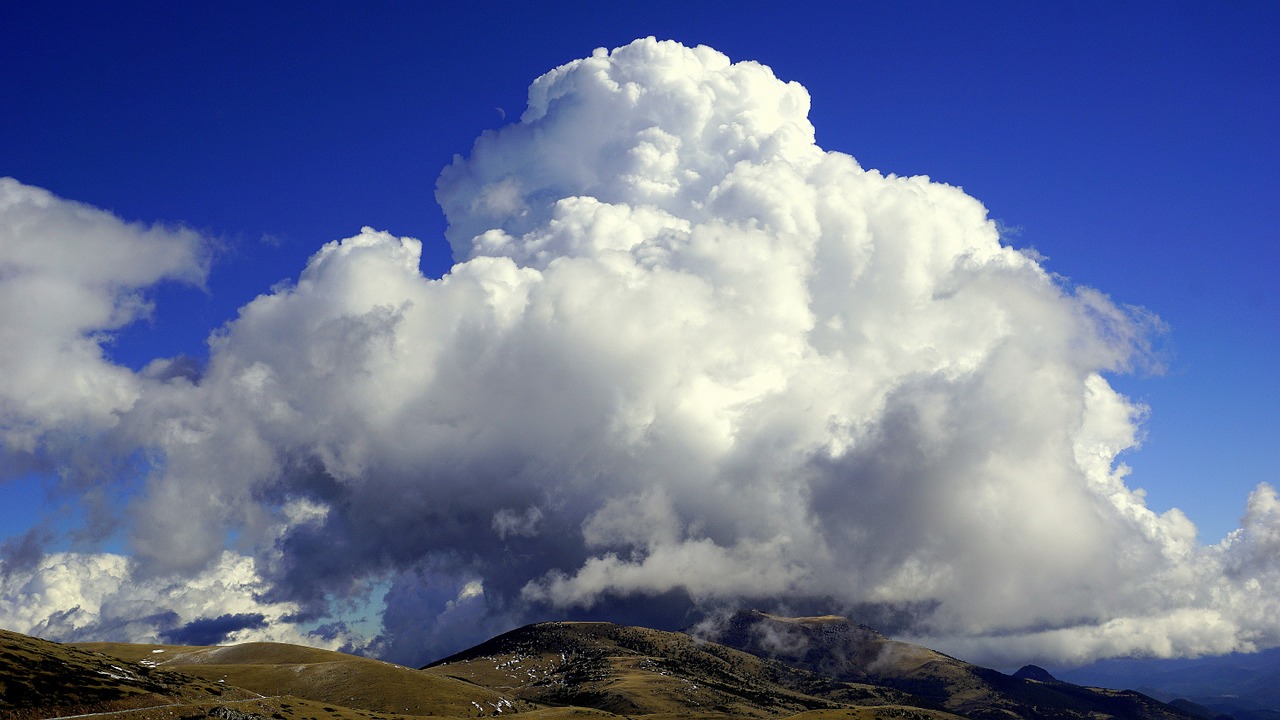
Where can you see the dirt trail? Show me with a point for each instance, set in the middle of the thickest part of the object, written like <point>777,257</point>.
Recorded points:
<point>158,707</point>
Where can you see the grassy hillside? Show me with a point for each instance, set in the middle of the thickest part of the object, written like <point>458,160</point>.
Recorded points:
<point>323,676</point>
<point>39,678</point>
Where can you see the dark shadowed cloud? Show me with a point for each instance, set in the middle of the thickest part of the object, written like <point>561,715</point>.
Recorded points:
<point>213,631</point>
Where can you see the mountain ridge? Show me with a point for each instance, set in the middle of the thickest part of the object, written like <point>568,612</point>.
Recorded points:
<point>810,668</point>
<point>644,671</point>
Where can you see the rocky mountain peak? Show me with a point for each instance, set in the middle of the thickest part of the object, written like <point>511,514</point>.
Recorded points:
<point>1034,672</point>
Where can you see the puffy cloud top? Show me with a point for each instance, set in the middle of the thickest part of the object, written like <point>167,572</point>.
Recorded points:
<point>652,124</point>
<point>688,356</point>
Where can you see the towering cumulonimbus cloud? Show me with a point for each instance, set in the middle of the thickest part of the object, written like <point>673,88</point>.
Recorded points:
<point>690,358</point>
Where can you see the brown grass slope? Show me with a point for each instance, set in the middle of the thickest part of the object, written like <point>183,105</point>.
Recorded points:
<point>837,648</point>
<point>324,676</point>
<point>637,671</point>
<point>39,678</point>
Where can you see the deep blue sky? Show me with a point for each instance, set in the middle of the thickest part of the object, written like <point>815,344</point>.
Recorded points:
<point>1133,144</point>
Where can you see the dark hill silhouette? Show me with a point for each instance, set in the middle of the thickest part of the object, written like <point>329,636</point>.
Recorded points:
<point>1034,672</point>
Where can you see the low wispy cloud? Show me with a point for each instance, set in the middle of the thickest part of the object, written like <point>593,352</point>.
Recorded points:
<point>687,359</point>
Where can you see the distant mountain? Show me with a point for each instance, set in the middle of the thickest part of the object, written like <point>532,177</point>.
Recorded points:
<point>839,649</point>
<point>1246,686</point>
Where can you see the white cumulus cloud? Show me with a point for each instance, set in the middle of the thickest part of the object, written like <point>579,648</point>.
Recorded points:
<point>691,358</point>
<point>70,274</point>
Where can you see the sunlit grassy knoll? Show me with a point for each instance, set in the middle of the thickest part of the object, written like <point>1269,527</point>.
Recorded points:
<point>329,677</point>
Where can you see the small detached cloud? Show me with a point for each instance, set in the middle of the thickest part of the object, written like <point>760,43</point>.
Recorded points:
<point>213,631</point>
<point>686,359</point>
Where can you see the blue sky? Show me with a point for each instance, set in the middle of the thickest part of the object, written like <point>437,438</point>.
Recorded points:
<point>1133,145</point>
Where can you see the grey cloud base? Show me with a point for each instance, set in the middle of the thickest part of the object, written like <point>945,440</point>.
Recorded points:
<point>686,358</point>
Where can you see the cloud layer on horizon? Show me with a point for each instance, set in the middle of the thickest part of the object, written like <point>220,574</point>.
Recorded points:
<point>686,356</point>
